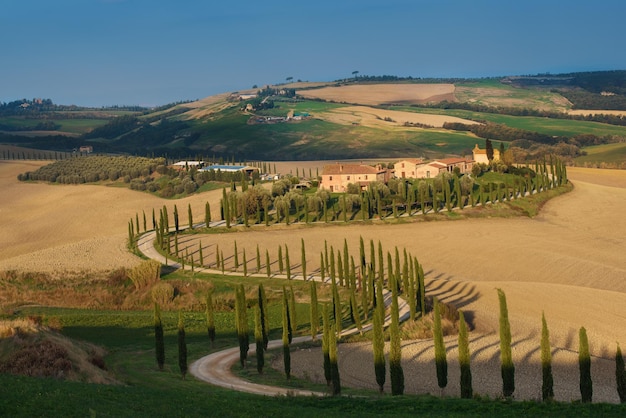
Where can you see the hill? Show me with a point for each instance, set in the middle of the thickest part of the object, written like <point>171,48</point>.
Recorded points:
<point>364,117</point>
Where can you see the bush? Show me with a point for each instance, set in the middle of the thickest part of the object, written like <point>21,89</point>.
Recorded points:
<point>144,274</point>
<point>162,293</point>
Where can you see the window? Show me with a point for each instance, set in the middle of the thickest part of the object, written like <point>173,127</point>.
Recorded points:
<point>330,178</point>
<point>348,178</point>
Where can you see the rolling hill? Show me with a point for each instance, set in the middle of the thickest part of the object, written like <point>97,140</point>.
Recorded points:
<point>363,117</point>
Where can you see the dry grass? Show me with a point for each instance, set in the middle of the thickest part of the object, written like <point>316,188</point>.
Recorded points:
<point>371,117</point>
<point>378,94</point>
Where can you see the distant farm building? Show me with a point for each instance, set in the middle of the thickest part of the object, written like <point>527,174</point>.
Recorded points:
<point>86,148</point>
<point>480,155</point>
<point>186,165</point>
<point>248,170</point>
<point>336,177</point>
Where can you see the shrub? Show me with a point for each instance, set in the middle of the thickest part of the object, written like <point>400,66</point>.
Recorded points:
<point>144,274</point>
<point>162,293</point>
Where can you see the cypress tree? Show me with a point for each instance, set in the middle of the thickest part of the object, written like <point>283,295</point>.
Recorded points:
<point>620,375</point>
<point>286,335</point>
<point>332,265</point>
<point>176,225</point>
<point>292,309</point>
<point>268,266</point>
<point>346,258</point>
<point>584,364</point>
<point>236,256</point>
<point>265,324</point>
<point>325,343</point>
<point>354,311</point>
<point>322,267</point>
<point>242,324</point>
<point>245,264</point>
<point>159,341</point>
<point>258,339</point>
<point>190,216</point>
<point>145,223</point>
<point>182,346</point>
<point>210,317</point>
<point>340,270</point>
<point>334,366</point>
<point>258,259</point>
<point>200,255</point>
<point>217,256</point>
<point>287,263</point>
<point>337,307</point>
<point>507,368</point>
<point>378,346</point>
<point>395,349</point>
<point>315,317</point>
<point>137,222</point>
<point>547,391</point>
<point>207,215</point>
<point>464,359</point>
<point>280,259</point>
<point>303,259</point>
<point>441,362</point>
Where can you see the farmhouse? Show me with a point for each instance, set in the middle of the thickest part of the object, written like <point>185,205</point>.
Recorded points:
<point>407,168</point>
<point>86,148</point>
<point>186,165</point>
<point>433,168</point>
<point>248,170</point>
<point>336,177</point>
<point>480,155</point>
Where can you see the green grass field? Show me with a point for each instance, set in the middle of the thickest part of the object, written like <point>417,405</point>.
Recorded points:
<point>609,154</point>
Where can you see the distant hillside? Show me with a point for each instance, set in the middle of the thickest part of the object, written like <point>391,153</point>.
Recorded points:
<point>362,117</point>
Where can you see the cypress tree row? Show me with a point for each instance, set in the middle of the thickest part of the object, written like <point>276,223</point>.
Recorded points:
<point>378,346</point>
<point>395,349</point>
<point>315,317</point>
<point>286,335</point>
<point>210,317</point>
<point>464,359</point>
<point>159,341</point>
<point>547,386</point>
<point>325,343</point>
<point>258,339</point>
<point>265,328</point>
<point>182,346</point>
<point>441,362</point>
<point>507,368</point>
<point>334,366</point>
<point>584,365</point>
<point>620,375</point>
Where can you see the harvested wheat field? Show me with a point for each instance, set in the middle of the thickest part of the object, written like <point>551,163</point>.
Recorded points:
<point>379,94</point>
<point>567,262</point>
<point>371,117</point>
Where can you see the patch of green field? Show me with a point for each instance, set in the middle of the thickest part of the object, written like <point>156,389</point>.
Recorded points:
<point>612,154</point>
<point>80,126</point>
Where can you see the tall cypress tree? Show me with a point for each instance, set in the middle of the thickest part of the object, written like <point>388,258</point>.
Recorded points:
<point>334,366</point>
<point>292,310</point>
<point>210,317</point>
<point>303,257</point>
<point>286,335</point>
<point>281,267</point>
<point>241,315</point>
<point>268,265</point>
<point>258,339</point>
<point>287,263</point>
<point>176,225</point>
<point>395,349</point>
<point>315,317</point>
<point>547,390</point>
<point>507,368</point>
<point>200,255</point>
<point>584,365</point>
<point>207,215</point>
<point>159,342</point>
<point>441,362</point>
<point>190,216</point>
<point>258,259</point>
<point>182,346</point>
<point>265,328</point>
<point>464,359</point>
<point>378,346</point>
<point>620,375</point>
<point>325,343</point>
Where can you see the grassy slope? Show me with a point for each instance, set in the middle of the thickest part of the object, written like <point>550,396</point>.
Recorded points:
<point>609,153</point>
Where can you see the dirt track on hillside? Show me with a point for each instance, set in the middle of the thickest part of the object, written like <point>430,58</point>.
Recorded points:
<point>568,262</point>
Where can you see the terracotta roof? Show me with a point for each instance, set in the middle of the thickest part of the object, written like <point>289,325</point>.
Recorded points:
<point>413,160</point>
<point>350,169</point>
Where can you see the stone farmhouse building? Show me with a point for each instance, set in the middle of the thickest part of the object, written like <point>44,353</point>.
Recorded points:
<point>434,168</point>
<point>336,177</point>
<point>480,155</point>
<point>407,168</point>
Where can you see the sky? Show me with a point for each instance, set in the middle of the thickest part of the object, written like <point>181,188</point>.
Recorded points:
<point>155,52</point>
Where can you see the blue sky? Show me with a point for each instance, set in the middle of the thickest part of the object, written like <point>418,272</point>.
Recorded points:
<point>153,52</point>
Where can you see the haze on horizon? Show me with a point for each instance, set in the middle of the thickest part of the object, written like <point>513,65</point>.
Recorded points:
<point>148,53</point>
